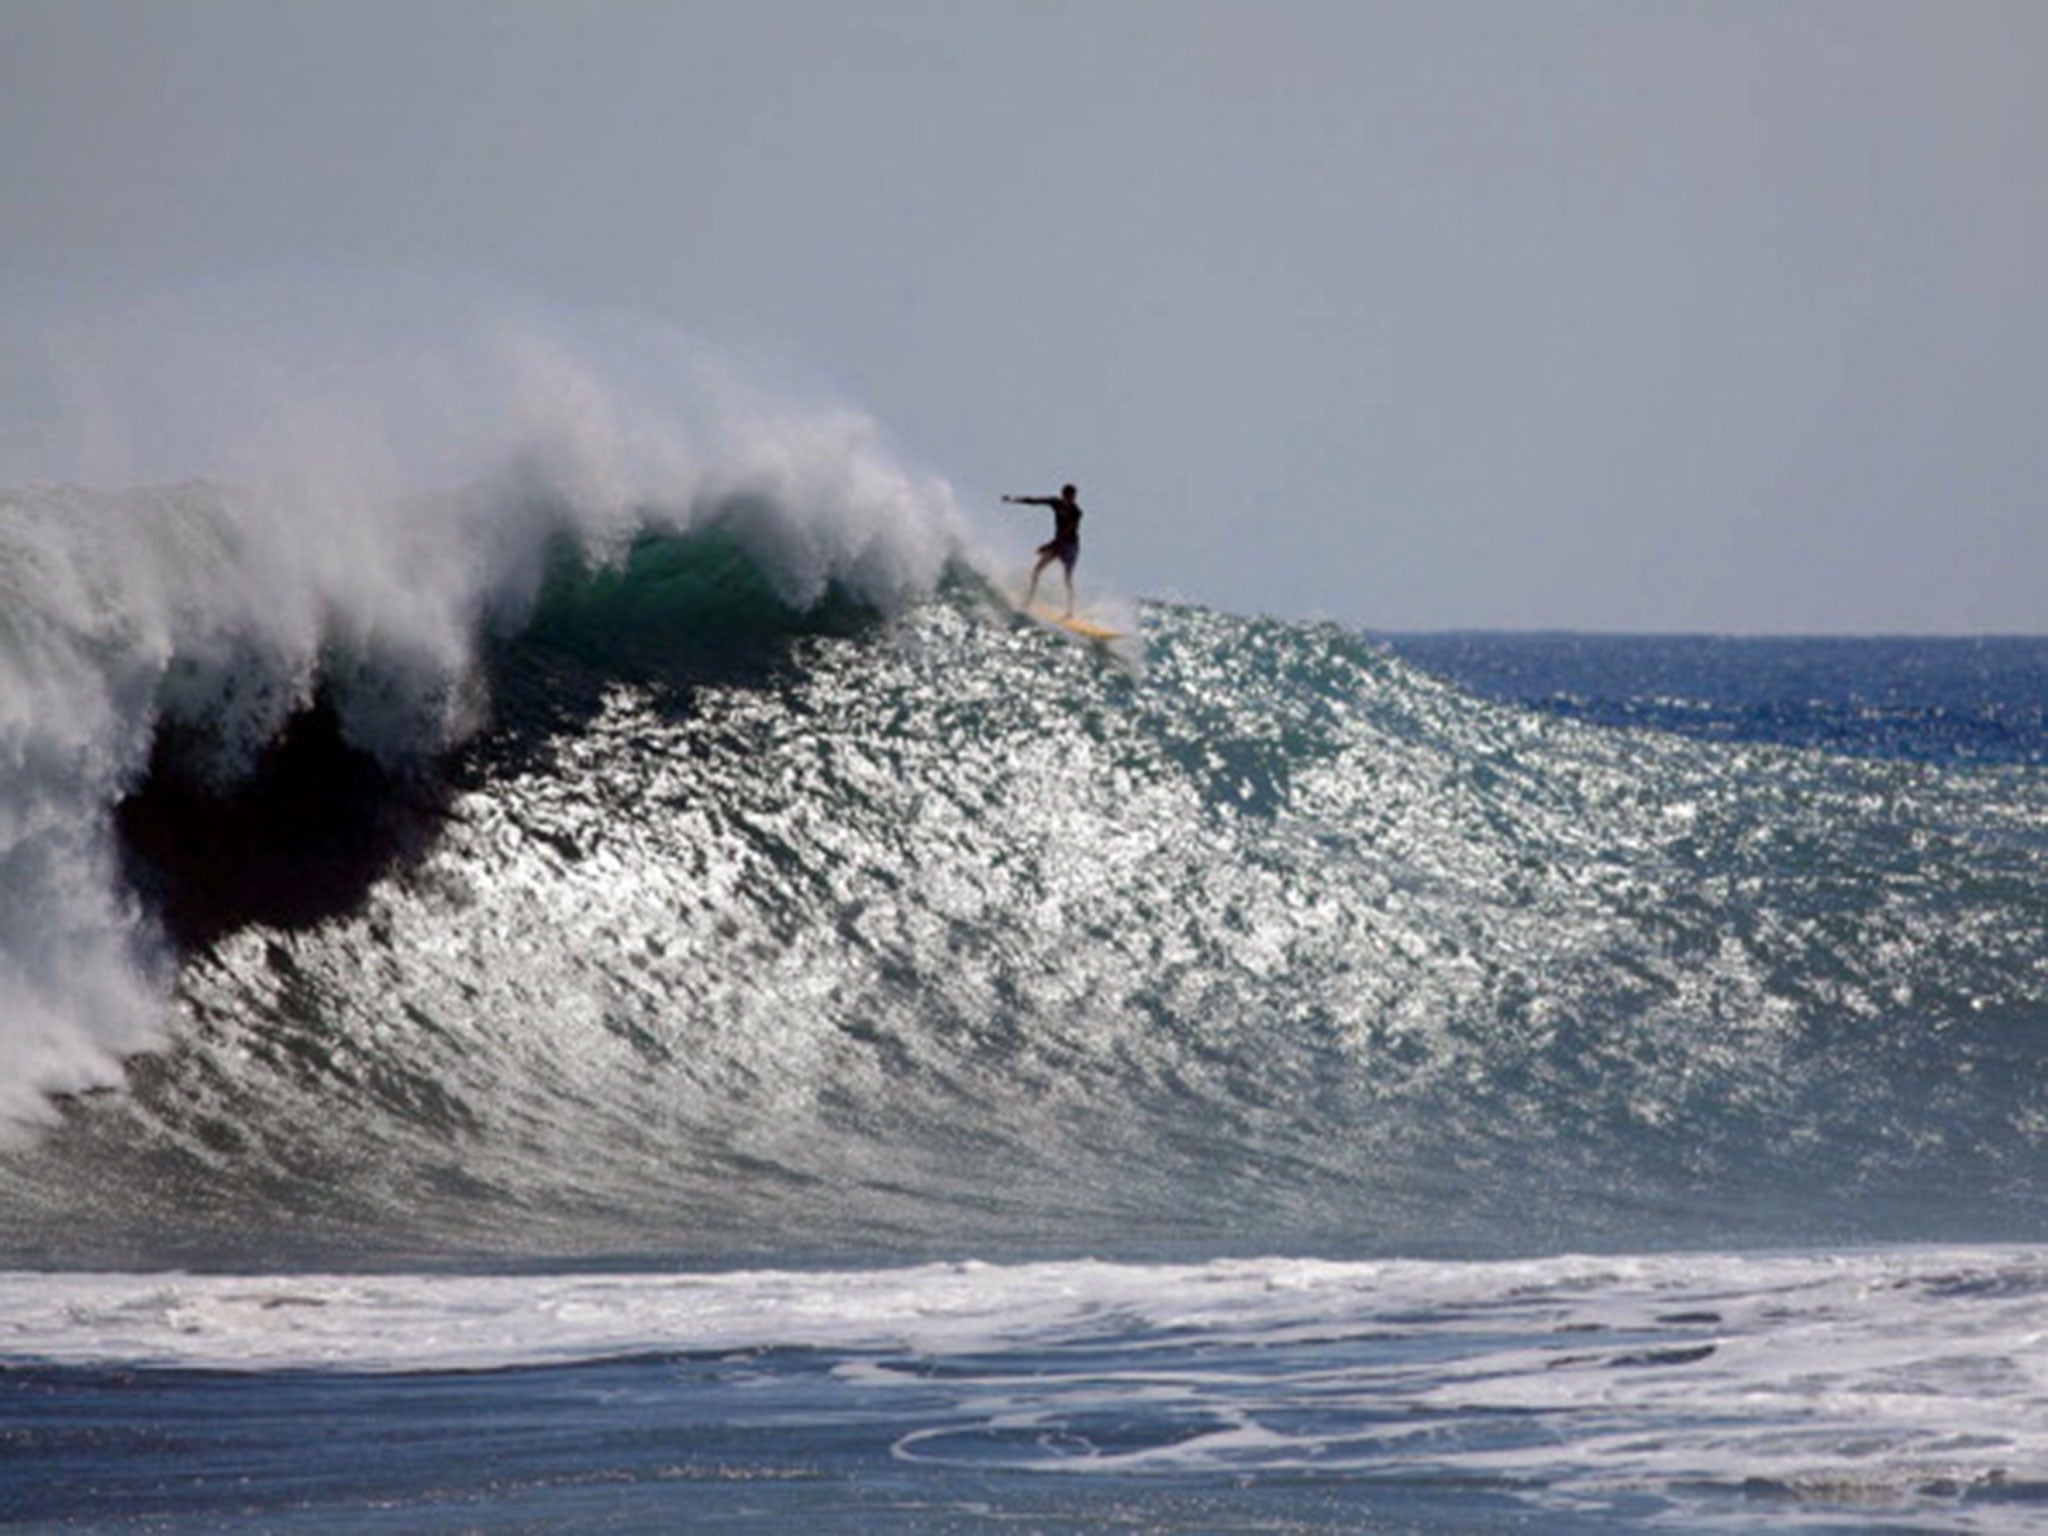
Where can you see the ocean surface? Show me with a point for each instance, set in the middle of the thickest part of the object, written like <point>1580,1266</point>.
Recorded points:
<point>585,1004</point>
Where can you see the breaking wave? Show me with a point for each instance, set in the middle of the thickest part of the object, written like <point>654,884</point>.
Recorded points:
<point>724,873</point>
<point>171,641</point>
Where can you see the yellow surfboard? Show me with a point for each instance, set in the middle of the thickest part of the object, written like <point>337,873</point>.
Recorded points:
<point>1043,613</point>
<point>1087,629</point>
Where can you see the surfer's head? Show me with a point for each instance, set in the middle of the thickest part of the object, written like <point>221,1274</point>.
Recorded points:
<point>1068,492</point>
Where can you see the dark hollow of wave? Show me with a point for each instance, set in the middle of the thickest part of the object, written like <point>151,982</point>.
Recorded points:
<point>316,821</point>
<point>299,841</point>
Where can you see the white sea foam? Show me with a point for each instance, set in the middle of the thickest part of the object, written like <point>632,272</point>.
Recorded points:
<point>328,560</point>
<point>1882,1378</point>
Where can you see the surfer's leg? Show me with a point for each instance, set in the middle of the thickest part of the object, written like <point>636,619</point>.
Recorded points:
<point>1038,570</point>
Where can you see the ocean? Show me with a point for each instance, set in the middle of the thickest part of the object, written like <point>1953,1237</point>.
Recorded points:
<point>565,1005</point>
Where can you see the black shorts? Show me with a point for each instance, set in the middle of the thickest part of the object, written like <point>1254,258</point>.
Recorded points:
<point>1065,551</point>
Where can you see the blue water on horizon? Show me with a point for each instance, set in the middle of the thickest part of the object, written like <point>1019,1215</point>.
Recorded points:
<point>1976,699</point>
<point>717,1023</point>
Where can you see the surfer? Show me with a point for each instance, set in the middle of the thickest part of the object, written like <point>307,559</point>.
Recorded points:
<point>1065,543</point>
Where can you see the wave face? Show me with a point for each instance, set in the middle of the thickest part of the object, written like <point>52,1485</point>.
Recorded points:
<point>724,885</point>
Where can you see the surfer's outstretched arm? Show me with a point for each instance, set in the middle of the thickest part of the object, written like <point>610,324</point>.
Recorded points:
<point>1034,501</point>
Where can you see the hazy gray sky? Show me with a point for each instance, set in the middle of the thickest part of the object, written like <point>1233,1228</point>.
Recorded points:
<point>1633,314</point>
